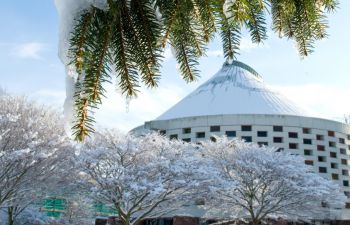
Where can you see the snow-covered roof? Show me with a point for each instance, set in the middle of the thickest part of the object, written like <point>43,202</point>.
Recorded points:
<point>235,89</point>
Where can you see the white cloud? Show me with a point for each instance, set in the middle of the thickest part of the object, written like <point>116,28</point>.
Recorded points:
<point>321,100</point>
<point>30,50</point>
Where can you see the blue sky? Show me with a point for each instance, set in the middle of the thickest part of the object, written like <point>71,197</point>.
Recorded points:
<point>29,65</point>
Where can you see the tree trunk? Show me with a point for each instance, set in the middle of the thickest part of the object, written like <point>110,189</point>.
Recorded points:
<point>255,222</point>
<point>10,211</point>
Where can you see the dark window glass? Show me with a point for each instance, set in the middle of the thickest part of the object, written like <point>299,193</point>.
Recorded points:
<point>331,133</point>
<point>200,135</point>
<point>333,154</point>
<point>322,169</point>
<point>213,139</point>
<point>345,172</point>
<point>307,152</point>
<point>186,130</point>
<point>262,133</point>
<point>341,140</point>
<point>309,162</point>
<point>277,139</point>
<point>306,130</point>
<point>246,128</point>
<point>319,137</point>
<point>247,138</point>
<point>214,128</point>
<point>307,141</point>
<point>334,165</point>
<point>321,158</point>
<point>293,134</point>
<point>348,137</point>
<point>186,139</point>
<point>277,128</point>
<point>342,151</point>
<point>293,145</point>
<point>344,161</point>
<point>320,147</point>
<point>332,144</point>
<point>230,133</point>
<point>162,132</point>
<point>346,183</point>
<point>335,176</point>
<point>173,136</point>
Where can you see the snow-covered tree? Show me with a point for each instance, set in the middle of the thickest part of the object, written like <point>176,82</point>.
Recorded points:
<point>257,183</point>
<point>141,177</point>
<point>32,152</point>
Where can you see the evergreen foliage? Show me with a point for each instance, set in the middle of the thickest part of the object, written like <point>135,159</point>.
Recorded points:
<point>129,36</point>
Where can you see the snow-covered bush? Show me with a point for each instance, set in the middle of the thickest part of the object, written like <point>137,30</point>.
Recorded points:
<point>140,176</point>
<point>258,183</point>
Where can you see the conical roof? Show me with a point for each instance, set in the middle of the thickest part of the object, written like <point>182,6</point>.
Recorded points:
<point>235,89</point>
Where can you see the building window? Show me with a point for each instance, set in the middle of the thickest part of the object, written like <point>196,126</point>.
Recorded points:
<point>263,144</point>
<point>319,137</point>
<point>306,131</point>
<point>331,133</point>
<point>307,141</point>
<point>333,154</point>
<point>307,152</point>
<point>341,140</point>
<point>335,176</point>
<point>347,194</point>
<point>293,145</point>
<point>344,161</point>
<point>346,183</point>
<point>309,162</point>
<point>213,139</point>
<point>322,158</point>
<point>230,133</point>
<point>277,128</point>
<point>342,151</point>
<point>162,132</point>
<point>322,169</point>
<point>262,133</point>
<point>334,165</point>
<point>186,139</point>
<point>349,147</point>
<point>277,139</point>
<point>348,137</point>
<point>186,130</point>
<point>293,135</point>
<point>200,135</point>
<point>320,147</point>
<point>214,128</point>
<point>332,144</point>
<point>247,138</point>
<point>246,128</point>
<point>173,136</point>
<point>345,172</point>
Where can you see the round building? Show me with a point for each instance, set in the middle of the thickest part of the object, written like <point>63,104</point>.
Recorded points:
<point>235,102</point>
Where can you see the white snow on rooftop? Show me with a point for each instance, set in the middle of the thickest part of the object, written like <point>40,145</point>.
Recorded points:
<point>235,89</point>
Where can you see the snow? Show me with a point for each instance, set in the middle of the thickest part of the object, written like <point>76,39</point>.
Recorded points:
<point>68,10</point>
<point>235,89</point>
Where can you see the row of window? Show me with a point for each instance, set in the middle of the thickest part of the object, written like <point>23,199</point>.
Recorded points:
<point>216,128</point>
